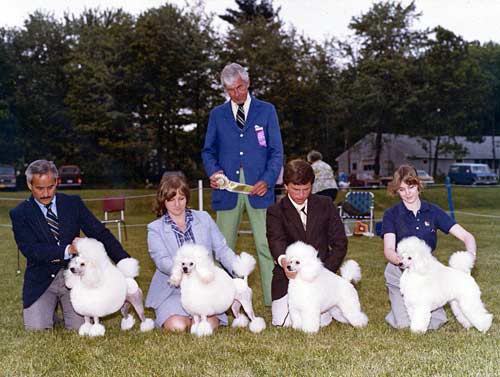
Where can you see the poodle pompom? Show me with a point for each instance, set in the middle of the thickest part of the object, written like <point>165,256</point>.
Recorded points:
<point>462,260</point>
<point>147,325</point>
<point>243,264</point>
<point>257,325</point>
<point>351,271</point>
<point>240,321</point>
<point>129,267</point>
<point>127,323</point>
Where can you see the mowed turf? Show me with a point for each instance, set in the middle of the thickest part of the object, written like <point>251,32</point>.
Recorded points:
<point>338,350</point>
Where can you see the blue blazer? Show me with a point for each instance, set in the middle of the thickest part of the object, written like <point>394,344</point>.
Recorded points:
<point>228,148</point>
<point>163,247</point>
<point>44,257</point>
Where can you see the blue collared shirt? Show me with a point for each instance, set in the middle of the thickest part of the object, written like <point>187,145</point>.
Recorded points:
<point>424,225</point>
<point>44,209</point>
<point>182,237</point>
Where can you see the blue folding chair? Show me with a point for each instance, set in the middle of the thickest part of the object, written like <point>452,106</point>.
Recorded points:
<point>359,206</point>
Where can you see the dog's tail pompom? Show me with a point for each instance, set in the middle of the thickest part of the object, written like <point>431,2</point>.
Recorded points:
<point>351,271</point>
<point>129,267</point>
<point>257,325</point>
<point>462,260</point>
<point>243,265</point>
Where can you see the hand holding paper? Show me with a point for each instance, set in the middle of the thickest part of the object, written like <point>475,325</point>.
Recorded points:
<point>225,184</point>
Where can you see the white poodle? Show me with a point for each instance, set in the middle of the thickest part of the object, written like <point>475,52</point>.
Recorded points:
<point>427,284</point>
<point>208,290</point>
<point>99,288</point>
<point>316,290</point>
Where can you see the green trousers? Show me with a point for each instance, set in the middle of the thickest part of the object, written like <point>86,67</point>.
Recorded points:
<point>229,223</point>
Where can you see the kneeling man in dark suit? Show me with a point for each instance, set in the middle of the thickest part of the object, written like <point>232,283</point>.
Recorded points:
<point>301,216</point>
<point>45,227</point>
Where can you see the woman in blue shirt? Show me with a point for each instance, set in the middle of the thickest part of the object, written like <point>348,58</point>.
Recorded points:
<point>413,217</point>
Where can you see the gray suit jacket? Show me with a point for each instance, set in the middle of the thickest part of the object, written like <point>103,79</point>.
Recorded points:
<point>163,247</point>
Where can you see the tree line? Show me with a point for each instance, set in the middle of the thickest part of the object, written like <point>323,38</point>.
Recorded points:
<point>128,97</point>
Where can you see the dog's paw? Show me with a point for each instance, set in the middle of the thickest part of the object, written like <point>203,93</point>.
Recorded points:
<point>204,329</point>
<point>359,320</point>
<point>127,323</point>
<point>416,329</point>
<point>97,330</point>
<point>194,328</point>
<point>240,321</point>
<point>257,325</point>
<point>85,329</point>
<point>147,325</point>
<point>310,328</point>
<point>483,324</point>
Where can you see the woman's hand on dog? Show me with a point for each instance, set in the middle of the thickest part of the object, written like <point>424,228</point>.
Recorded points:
<point>284,265</point>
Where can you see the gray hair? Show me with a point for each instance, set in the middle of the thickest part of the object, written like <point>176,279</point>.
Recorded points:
<point>314,156</point>
<point>231,72</point>
<point>40,167</point>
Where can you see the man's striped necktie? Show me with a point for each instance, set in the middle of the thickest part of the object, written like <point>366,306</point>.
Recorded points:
<point>240,117</point>
<point>52,221</point>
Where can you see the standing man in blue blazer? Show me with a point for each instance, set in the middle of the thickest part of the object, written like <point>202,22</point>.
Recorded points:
<point>45,227</point>
<point>243,142</point>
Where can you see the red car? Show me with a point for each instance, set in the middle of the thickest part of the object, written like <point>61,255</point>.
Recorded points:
<point>70,176</point>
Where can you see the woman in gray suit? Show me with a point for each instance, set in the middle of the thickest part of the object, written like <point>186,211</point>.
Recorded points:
<point>175,226</point>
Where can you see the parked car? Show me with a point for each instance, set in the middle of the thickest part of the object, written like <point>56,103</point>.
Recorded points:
<point>70,176</point>
<point>471,174</point>
<point>425,178</point>
<point>7,177</point>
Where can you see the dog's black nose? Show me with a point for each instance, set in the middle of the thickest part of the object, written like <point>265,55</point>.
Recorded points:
<point>185,269</point>
<point>72,269</point>
<point>400,264</point>
<point>289,268</point>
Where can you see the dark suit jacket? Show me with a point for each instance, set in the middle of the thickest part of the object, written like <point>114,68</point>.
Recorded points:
<point>325,232</point>
<point>44,257</point>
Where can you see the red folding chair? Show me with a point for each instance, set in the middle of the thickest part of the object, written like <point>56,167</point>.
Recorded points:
<point>112,205</point>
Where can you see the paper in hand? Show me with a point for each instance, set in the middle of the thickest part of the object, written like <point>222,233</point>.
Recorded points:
<point>225,184</point>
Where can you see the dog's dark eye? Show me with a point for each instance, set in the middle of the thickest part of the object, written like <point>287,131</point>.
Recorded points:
<point>409,258</point>
<point>82,264</point>
<point>297,262</point>
<point>191,263</point>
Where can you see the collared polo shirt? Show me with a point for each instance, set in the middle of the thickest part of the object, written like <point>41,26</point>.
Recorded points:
<point>424,225</point>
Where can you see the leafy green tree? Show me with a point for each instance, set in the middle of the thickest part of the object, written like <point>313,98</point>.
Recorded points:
<point>40,51</point>
<point>173,77</point>
<point>99,96</point>
<point>453,94</point>
<point>384,65</point>
<point>488,58</point>
<point>10,149</point>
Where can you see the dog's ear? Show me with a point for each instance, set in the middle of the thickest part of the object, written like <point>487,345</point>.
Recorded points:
<point>309,269</point>
<point>421,260</point>
<point>70,279</point>
<point>176,274</point>
<point>92,275</point>
<point>206,273</point>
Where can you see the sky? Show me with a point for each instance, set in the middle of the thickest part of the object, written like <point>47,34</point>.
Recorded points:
<point>471,19</point>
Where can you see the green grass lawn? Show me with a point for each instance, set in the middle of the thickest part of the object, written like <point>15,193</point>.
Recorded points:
<point>338,350</point>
